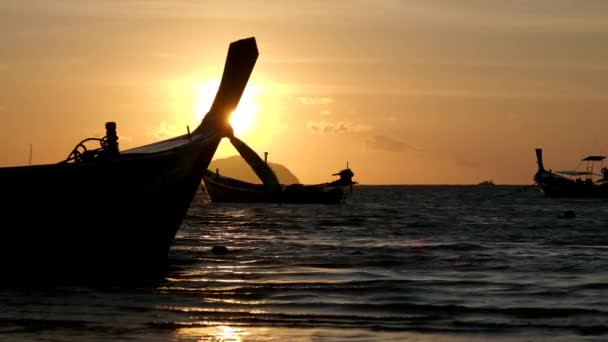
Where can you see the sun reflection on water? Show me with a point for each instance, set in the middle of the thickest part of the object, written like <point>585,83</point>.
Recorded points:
<point>225,333</point>
<point>221,333</point>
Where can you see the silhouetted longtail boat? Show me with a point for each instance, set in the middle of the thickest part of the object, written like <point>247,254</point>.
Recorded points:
<point>105,209</point>
<point>574,183</point>
<point>227,189</point>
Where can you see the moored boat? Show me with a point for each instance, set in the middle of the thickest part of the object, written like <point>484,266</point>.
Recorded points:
<point>226,189</point>
<point>575,183</point>
<point>486,183</point>
<point>102,209</point>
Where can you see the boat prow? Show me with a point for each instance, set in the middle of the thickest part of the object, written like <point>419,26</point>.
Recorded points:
<point>103,210</point>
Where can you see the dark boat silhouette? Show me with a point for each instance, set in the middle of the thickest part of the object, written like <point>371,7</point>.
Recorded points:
<point>487,183</point>
<point>226,189</point>
<point>574,183</point>
<point>105,210</point>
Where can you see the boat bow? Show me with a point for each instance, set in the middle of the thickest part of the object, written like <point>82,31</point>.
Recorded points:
<point>115,209</point>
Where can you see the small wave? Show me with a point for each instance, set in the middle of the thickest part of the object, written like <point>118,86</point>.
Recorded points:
<point>32,324</point>
<point>422,224</point>
<point>456,246</point>
<point>398,317</point>
<point>591,286</point>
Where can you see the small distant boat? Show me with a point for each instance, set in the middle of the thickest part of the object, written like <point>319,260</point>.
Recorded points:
<point>574,183</point>
<point>102,209</point>
<point>225,189</point>
<point>487,183</point>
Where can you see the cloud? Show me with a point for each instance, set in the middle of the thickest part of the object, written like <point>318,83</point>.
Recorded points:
<point>337,127</point>
<point>313,100</point>
<point>163,131</point>
<point>467,163</point>
<point>390,119</point>
<point>323,60</point>
<point>382,142</point>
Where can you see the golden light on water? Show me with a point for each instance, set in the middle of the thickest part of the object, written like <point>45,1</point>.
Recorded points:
<point>229,334</point>
<point>225,333</point>
<point>221,333</point>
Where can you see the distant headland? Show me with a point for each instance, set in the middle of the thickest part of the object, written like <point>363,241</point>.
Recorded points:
<point>236,167</point>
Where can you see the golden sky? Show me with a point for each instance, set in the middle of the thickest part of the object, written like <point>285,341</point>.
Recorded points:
<point>409,92</point>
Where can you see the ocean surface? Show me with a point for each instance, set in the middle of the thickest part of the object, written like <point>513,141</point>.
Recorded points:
<point>395,263</point>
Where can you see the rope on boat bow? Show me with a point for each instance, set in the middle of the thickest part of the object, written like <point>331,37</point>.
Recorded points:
<point>80,153</point>
<point>108,147</point>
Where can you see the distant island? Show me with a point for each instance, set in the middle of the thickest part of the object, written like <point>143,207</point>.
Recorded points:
<point>236,167</point>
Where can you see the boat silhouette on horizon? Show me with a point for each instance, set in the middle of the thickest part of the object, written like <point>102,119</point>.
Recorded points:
<point>573,183</point>
<point>486,183</point>
<point>102,209</point>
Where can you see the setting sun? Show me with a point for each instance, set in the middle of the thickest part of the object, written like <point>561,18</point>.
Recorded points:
<point>242,119</point>
<point>240,171</point>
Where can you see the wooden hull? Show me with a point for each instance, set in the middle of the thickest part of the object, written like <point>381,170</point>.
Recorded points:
<point>109,211</point>
<point>224,189</point>
<point>556,185</point>
<point>574,189</point>
<point>118,214</point>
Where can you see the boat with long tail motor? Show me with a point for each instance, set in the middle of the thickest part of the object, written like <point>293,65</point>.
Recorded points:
<point>573,183</point>
<point>226,189</point>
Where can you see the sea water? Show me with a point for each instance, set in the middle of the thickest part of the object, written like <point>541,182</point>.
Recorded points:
<point>395,263</point>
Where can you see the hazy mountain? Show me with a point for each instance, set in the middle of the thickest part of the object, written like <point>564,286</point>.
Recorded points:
<point>236,167</point>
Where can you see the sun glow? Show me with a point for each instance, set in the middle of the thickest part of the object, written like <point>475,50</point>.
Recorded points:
<point>256,120</point>
<point>243,119</point>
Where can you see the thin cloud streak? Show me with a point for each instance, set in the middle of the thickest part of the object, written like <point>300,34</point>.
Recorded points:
<point>163,131</point>
<point>313,100</point>
<point>361,90</point>
<point>326,127</point>
<point>470,164</point>
<point>385,143</point>
<point>322,60</point>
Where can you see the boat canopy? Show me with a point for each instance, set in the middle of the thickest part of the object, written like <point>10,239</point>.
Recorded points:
<point>594,158</point>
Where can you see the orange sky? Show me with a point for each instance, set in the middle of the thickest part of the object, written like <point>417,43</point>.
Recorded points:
<point>408,92</point>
